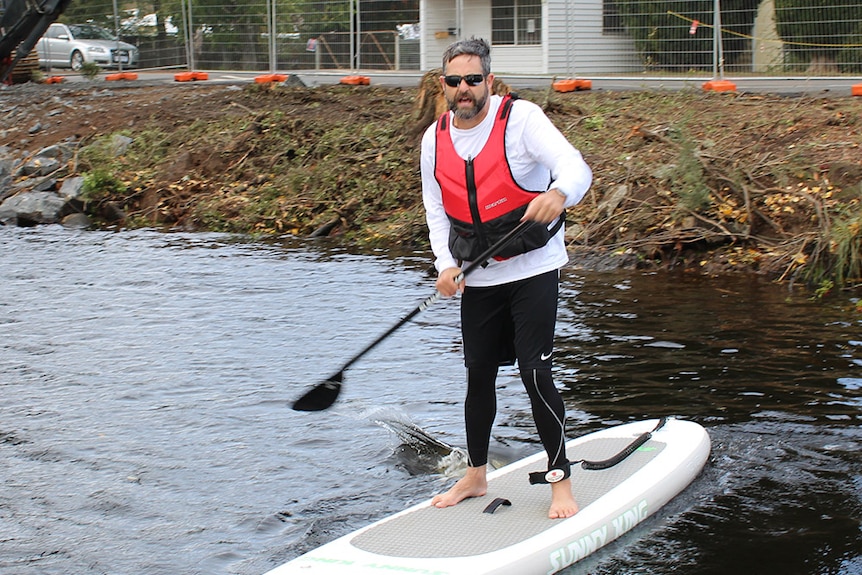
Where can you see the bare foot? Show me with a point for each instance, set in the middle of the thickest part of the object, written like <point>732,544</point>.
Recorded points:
<point>473,484</point>
<point>563,504</point>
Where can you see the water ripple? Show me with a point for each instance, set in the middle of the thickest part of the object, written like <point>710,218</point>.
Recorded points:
<point>146,381</point>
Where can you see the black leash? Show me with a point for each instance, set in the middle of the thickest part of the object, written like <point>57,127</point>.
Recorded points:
<point>628,450</point>
<point>557,474</point>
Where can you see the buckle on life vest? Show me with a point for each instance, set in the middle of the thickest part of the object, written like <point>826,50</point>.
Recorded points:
<point>552,475</point>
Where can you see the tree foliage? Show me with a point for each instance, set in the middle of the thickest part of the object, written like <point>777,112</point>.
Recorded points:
<point>824,31</point>
<point>661,31</point>
<point>99,13</point>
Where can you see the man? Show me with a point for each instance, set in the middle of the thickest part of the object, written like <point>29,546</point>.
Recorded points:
<point>487,164</point>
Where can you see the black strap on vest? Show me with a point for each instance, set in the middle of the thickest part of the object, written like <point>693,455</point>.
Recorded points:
<point>507,105</point>
<point>443,125</point>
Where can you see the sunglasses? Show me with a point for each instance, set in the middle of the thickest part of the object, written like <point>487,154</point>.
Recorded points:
<point>471,79</point>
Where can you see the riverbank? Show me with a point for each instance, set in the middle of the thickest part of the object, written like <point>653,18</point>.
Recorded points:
<point>706,182</point>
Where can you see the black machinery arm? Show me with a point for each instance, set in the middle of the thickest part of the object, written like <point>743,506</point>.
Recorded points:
<point>22,23</point>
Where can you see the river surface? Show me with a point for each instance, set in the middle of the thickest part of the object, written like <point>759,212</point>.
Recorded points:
<point>146,380</point>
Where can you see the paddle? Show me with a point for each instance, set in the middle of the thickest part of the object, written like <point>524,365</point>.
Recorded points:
<point>323,395</point>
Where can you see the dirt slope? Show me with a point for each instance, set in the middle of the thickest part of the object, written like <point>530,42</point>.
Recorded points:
<point>707,181</point>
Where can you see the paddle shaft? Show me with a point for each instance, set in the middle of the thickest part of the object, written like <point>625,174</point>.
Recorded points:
<point>479,261</point>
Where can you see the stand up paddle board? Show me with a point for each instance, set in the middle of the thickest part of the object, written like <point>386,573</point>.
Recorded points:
<point>641,466</point>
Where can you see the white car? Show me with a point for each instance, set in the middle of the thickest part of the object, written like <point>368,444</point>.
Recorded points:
<point>73,45</point>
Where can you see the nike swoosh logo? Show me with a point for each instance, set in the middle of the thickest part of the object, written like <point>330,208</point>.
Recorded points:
<point>544,356</point>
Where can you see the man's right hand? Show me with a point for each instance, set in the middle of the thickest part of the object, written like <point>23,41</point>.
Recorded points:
<point>446,282</point>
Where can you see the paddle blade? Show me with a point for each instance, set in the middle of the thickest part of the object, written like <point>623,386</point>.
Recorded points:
<point>321,396</point>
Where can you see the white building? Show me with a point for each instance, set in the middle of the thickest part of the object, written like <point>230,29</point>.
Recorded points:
<point>559,37</point>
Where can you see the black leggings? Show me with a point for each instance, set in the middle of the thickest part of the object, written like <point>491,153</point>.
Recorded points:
<point>499,324</point>
<point>480,409</point>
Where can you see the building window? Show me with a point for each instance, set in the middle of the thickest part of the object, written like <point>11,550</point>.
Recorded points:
<point>612,22</point>
<point>516,22</point>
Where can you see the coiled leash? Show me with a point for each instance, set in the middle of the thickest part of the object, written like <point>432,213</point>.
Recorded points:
<point>564,471</point>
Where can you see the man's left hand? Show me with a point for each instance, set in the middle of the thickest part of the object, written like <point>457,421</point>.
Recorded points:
<point>545,208</point>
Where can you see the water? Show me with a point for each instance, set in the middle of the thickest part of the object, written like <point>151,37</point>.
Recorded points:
<point>146,381</point>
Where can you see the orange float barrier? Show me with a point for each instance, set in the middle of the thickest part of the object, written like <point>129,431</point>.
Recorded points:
<point>121,76</point>
<point>565,85</point>
<point>719,86</point>
<point>266,78</point>
<point>190,76</point>
<point>856,89</point>
<point>355,80</point>
<point>572,84</point>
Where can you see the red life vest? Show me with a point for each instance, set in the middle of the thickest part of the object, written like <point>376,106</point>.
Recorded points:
<point>481,197</point>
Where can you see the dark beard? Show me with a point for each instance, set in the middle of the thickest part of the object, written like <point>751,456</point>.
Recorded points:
<point>468,113</point>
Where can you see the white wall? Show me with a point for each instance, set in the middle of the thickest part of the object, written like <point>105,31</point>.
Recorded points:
<point>477,19</point>
<point>435,16</point>
<point>517,60</point>
<point>573,42</point>
<point>578,46</point>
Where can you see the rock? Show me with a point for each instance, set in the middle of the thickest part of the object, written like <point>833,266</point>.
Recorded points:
<point>119,144</point>
<point>28,187</point>
<point>294,81</point>
<point>72,188</point>
<point>5,187</point>
<point>39,166</point>
<point>76,221</point>
<point>601,260</point>
<point>112,212</point>
<point>32,208</point>
<point>44,185</point>
<point>7,165</point>
<point>62,152</point>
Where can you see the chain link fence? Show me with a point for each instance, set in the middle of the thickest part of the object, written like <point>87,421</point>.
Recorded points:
<point>745,36</point>
<point>761,37</point>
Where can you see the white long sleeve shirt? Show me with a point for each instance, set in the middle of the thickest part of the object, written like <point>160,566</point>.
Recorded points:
<point>534,147</point>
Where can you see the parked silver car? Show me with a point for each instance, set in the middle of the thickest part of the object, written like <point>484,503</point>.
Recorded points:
<point>73,45</point>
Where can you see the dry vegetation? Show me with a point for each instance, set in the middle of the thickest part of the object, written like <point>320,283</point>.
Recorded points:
<point>706,181</point>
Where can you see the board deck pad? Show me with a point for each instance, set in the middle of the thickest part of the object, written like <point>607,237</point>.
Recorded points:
<point>465,530</point>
